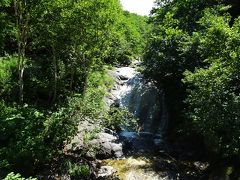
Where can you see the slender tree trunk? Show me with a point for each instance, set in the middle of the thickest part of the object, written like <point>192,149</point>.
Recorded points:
<point>55,74</point>
<point>22,19</point>
<point>85,83</point>
<point>21,83</point>
<point>85,78</point>
<point>72,77</point>
<point>73,60</point>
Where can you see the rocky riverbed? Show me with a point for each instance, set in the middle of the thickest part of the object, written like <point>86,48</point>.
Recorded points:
<point>142,155</point>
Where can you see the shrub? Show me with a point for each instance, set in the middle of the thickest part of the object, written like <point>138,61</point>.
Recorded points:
<point>12,176</point>
<point>92,104</point>
<point>119,118</point>
<point>31,136</point>
<point>8,67</point>
<point>77,170</point>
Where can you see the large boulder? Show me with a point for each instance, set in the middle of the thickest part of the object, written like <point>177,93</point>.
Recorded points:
<point>109,146</point>
<point>95,143</point>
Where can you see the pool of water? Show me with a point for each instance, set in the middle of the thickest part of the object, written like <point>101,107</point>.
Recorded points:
<point>138,168</point>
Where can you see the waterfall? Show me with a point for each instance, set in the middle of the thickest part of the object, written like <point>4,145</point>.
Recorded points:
<point>144,100</point>
<point>142,150</point>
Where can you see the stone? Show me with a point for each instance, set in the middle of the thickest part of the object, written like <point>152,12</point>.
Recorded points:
<point>201,165</point>
<point>118,150</point>
<point>116,103</point>
<point>123,78</point>
<point>106,137</point>
<point>106,172</point>
<point>114,74</point>
<point>116,147</point>
<point>105,143</point>
<point>118,154</point>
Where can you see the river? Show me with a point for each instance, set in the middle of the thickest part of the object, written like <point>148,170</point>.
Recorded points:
<point>148,155</point>
<point>141,147</point>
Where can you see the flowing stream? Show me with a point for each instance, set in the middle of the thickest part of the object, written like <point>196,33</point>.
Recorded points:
<point>144,100</point>
<point>147,103</point>
<point>147,156</point>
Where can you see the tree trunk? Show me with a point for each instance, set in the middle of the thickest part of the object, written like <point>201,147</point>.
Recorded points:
<point>73,61</point>
<point>87,71</point>
<point>72,78</point>
<point>22,19</point>
<point>21,83</point>
<point>55,74</point>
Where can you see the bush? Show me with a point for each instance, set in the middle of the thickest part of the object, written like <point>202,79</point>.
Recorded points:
<point>119,118</point>
<point>13,176</point>
<point>8,67</point>
<point>92,104</point>
<point>31,136</point>
<point>77,170</point>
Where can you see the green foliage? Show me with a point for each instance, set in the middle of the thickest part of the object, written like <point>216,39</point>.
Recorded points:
<point>173,46</point>
<point>89,148</point>
<point>98,84</point>
<point>8,66</point>
<point>162,59</point>
<point>128,38</point>
<point>30,136</point>
<point>199,41</point>
<point>76,170</point>
<point>13,176</point>
<point>214,95</point>
<point>65,41</point>
<point>135,29</point>
<point>164,62</point>
<point>118,118</point>
<point>58,50</point>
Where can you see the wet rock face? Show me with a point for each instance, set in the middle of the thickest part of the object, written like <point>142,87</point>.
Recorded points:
<point>146,102</point>
<point>141,98</point>
<point>121,76</point>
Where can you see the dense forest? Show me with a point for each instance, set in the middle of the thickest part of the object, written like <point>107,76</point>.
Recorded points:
<point>193,54</point>
<point>54,58</point>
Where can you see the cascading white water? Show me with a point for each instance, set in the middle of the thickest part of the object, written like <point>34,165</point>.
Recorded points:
<point>144,100</point>
<point>147,103</point>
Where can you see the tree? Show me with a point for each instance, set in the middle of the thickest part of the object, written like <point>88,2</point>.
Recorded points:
<point>173,47</point>
<point>213,94</point>
<point>62,48</point>
<point>23,10</point>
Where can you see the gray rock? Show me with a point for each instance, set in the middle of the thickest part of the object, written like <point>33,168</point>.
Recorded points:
<point>106,172</point>
<point>118,154</point>
<point>116,103</point>
<point>108,146</point>
<point>116,147</point>
<point>118,150</point>
<point>123,78</point>
<point>106,137</point>
<point>103,145</point>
